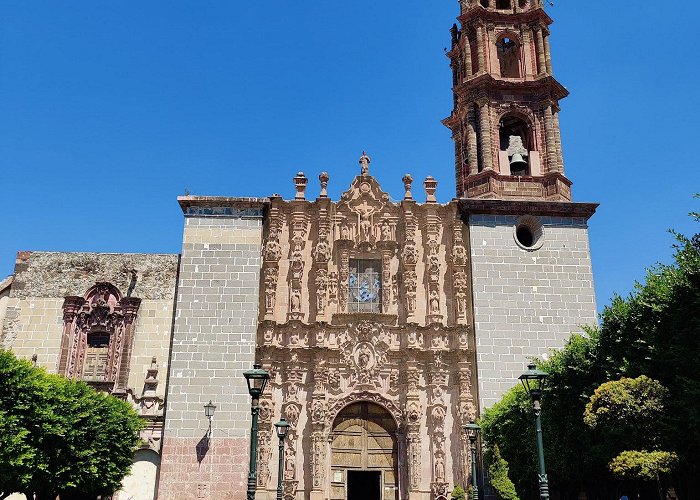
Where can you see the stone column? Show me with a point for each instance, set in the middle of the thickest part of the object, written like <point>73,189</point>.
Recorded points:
<point>472,151</point>
<point>481,49</point>
<point>550,138</point>
<point>548,55</point>
<point>541,62</point>
<point>486,143</point>
<point>557,140</point>
<point>467,55</point>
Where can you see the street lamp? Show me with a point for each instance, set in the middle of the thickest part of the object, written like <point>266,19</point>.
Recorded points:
<point>533,382</point>
<point>209,410</point>
<point>257,380</point>
<point>282,428</point>
<point>472,431</point>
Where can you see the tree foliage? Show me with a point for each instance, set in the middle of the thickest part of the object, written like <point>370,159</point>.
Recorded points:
<point>458,493</point>
<point>498,476</point>
<point>61,437</point>
<point>627,411</point>
<point>654,333</point>
<point>644,465</point>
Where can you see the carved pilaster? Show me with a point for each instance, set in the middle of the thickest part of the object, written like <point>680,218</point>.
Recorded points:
<point>272,253</point>
<point>409,259</point>
<point>433,267</point>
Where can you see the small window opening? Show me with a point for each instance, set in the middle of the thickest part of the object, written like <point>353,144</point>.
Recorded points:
<point>525,236</point>
<point>522,4</point>
<point>485,4</point>
<point>503,4</point>
<point>514,136</point>
<point>529,233</point>
<point>509,57</point>
<point>365,286</point>
<point>95,364</point>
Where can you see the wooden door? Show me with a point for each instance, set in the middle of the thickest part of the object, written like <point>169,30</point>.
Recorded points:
<point>364,439</point>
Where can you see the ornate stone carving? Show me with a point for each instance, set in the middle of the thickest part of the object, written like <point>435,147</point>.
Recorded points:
<point>364,348</point>
<point>271,275</point>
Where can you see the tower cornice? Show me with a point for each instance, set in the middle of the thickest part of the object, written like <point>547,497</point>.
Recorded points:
<point>487,83</point>
<point>527,17</point>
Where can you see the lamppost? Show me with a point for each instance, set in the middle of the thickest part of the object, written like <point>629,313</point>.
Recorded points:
<point>282,427</point>
<point>209,410</point>
<point>257,380</point>
<point>472,431</point>
<point>533,382</point>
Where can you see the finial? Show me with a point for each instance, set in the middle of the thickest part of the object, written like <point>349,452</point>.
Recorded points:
<point>365,161</point>
<point>407,182</point>
<point>300,182</point>
<point>323,178</point>
<point>430,185</point>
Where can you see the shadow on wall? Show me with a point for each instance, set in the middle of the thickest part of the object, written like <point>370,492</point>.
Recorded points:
<point>202,448</point>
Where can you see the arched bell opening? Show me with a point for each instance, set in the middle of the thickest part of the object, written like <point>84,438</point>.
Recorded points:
<point>364,454</point>
<point>508,50</point>
<point>516,146</point>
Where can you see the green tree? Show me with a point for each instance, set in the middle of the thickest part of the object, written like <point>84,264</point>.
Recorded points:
<point>458,493</point>
<point>627,412</point>
<point>498,475</point>
<point>61,437</point>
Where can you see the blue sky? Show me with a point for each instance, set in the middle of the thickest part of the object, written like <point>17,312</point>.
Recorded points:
<point>110,110</point>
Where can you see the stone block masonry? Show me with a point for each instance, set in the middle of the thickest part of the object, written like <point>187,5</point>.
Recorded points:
<point>213,343</point>
<point>526,302</point>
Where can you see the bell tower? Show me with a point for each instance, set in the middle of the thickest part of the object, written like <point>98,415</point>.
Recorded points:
<point>505,121</point>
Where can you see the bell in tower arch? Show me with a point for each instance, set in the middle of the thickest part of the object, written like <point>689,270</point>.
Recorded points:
<point>517,155</point>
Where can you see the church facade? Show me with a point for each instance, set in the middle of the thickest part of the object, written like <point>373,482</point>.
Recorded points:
<point>386,325</point>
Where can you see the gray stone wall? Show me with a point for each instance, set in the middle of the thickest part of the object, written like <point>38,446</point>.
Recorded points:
<point>215,324</point>
<point>213,343</point>
<point>58,274</point>
<point>526,302</point>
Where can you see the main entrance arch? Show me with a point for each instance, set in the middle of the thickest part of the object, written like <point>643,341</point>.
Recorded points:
<point>364,454</point>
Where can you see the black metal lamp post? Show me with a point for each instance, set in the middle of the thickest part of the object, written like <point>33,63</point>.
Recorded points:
<point>257,380</point>
<point>472,431</point>
<point>282,427</point>
<point>533,382</point>
<point>209,410</point>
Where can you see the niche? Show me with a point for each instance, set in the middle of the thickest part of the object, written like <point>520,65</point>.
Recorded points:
<point>508,57</point>
<point>485,4</point>
<point>503,4</point>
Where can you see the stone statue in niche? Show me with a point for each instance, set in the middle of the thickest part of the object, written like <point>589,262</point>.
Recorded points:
<point>333,285</point>
<point>439,468</point>
<point>344,232</point>
<point>365,227</point>
<point>461,284</point>
<point>386,232</point>
<point>270,287</point>
<point>289,464</point>
<point>321,285</point>
<point>410,254</point>
<point>434,302</point>
<point>296,300</point>
<point>297,265</point>
<point>459,256</point>
<point>273,250</point>
<point>323,251</point>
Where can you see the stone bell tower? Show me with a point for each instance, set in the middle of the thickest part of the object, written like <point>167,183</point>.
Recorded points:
<point>505,122</point>
<point>530,255</point>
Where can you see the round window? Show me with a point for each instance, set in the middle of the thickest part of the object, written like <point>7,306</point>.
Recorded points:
<point>528,233</point>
